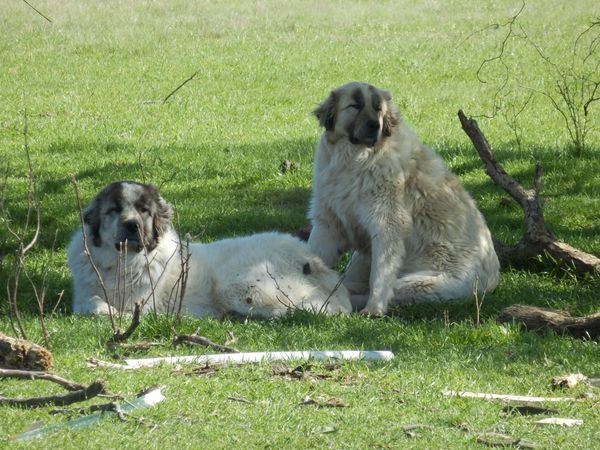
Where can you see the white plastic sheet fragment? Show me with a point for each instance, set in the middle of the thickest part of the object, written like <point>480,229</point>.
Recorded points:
<point>242,358</point>
<point>149,398</point>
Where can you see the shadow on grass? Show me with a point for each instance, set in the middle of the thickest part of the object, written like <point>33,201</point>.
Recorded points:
<point>237,190</point>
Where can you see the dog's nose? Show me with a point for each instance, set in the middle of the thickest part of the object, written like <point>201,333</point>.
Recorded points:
<point>131,226</point>
<point>372,126</point>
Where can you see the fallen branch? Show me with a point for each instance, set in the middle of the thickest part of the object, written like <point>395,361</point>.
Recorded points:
<point>36,375</point>
<point>88,392</point>
<point>535,318</point>
<point>22,354</point>
<point>537,239</point>
<point>194,339</point>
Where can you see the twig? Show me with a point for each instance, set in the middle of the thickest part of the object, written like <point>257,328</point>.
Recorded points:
<point>180,86</point>
<point>88,392</point>
<point>119,336</point>
<point>38,375</point>
<point>89,255</point>
<point>36,10</point>
<point>194,339</point>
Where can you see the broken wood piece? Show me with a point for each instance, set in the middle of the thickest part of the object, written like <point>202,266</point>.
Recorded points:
<point>537,239</point>
<point>535,318</point>
<point>150,397</point>
<point>80,395</point>
<point>194,339</point>
<point>22,354</point>
<point>506,397</point>
<point>559,421</point>
<point>253,357</point>
<point>38,375</point>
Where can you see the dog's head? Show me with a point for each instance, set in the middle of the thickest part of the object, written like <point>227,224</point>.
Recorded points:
<point>128,215</point>
<point>359,112</point>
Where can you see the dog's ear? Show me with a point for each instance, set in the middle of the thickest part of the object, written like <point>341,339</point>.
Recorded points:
<point>391,119</point>
<point>91,217</point>
<point>161,220</point>
<point>325,112</point>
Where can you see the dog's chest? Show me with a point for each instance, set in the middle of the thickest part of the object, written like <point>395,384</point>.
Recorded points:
<point>346,193</point>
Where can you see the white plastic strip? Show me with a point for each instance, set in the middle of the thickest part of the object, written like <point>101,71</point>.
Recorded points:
<point>242,358</point>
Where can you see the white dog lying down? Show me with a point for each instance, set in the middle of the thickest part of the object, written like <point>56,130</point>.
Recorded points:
<point>140,258</point>
<point>416,232</point>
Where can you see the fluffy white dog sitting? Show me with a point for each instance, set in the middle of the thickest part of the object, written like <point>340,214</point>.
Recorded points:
<point>140,258</point>
<point>416,233</point>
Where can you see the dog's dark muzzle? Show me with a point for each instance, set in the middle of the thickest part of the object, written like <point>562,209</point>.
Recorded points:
<point>129,237</point>
<point>368,134</point>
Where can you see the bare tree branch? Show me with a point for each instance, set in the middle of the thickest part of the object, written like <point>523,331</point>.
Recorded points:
<point>537,239</point>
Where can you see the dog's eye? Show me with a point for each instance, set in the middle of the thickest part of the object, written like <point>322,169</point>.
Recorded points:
<point>114,210</point>
<point>145,210</point>
<point>354,106</point>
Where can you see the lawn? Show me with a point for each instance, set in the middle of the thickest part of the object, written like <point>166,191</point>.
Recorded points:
<point>90,87</point>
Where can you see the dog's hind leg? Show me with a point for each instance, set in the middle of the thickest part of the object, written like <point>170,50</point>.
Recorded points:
<point>427,286</point>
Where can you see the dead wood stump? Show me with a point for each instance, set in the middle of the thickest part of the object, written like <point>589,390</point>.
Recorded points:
<point>21,354</point>
<point>536,318</point>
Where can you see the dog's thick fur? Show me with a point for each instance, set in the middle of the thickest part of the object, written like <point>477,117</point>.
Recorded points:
<point>416,233</point>
<point>137,253</point>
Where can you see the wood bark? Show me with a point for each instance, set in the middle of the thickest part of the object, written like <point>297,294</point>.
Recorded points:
<point>535,318</point>
<point>537,239</point>
<point>22,354</point>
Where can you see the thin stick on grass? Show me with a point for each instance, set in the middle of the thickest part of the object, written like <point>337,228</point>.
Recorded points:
<point>37,10</point>
<point>39,375</point>
<point>33,205</point>
<point>194,339</point>
<point>187,80</point>
<point>80,395</point>
<point>119,336</point>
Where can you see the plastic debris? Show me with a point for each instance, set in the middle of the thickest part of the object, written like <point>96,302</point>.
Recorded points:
<point>150,397</point>
<point>241,358</point>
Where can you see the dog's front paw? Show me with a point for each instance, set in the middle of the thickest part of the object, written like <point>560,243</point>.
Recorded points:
<point>373,310</point>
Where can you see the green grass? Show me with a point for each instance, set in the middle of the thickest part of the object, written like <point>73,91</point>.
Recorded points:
<point>91,85</point>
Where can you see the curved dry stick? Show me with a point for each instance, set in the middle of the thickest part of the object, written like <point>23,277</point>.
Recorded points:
<point>38,375</point>
<point>97,387</point>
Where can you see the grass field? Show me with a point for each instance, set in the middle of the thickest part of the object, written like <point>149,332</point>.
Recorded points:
<point>91,85</point>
